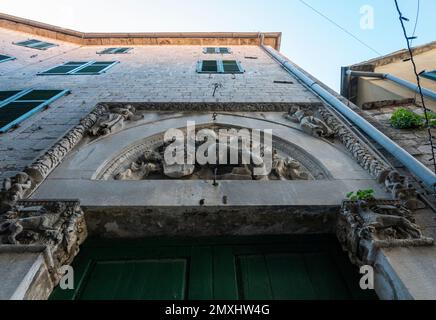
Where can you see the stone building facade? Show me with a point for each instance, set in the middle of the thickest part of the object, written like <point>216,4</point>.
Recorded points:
<point>86,183</point>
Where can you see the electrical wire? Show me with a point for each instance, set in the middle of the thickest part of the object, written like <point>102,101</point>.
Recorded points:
<point>418,9</point>
<point>340,27</point>
<point>418,80</point>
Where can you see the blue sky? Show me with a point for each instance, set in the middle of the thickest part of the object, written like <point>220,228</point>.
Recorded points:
<point>308,39</point>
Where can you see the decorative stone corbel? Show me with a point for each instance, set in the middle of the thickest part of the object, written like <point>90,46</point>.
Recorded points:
<point>58,225</point>
<point>364,227</point>
<point>112,120</point>
<point>309,122</point>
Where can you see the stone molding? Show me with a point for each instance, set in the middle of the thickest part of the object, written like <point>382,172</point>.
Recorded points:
<point>24,184</point>
<point>359,150</point>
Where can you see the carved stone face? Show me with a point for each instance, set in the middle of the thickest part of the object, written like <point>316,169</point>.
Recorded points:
<point>22,178</point>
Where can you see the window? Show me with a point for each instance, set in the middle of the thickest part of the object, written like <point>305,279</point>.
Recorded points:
<point>211,50</point>
<point>80,67</point>
<point>35,44</point>
<point>115,51</point>
<point>219,66</point>
<point>16,106</point>
<point>429,75</point>
<point>4,58</point>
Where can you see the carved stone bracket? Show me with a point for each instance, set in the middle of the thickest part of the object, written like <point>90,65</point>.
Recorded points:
<point>58,225</point>
<point>364,227</point>
<point>112,120</point>
<point>309,122</point>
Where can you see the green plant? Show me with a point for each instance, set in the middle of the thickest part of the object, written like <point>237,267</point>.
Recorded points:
<point>432,119</point>
<point>406,119</point>
<point>367,194</point>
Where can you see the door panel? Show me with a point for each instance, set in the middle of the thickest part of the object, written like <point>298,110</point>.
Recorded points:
<point>136,280</point>
<point>283,268</point>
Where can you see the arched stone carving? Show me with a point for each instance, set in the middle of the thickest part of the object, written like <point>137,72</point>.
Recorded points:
<point>145,161</point>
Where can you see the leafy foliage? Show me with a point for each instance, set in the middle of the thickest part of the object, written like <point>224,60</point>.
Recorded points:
<point>367,194</point>
<point>406,119</point>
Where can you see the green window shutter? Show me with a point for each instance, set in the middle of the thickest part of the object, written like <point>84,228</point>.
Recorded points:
<point>66,68</point>
<point>27,43</point>
<point>4,95</point>
<point>108,51</point>
<point>43,45</point>
<point>119,50</point>
<point>209,50</point>
<point>39,95</point>
<point>4,58</point>
<point>429,75</point>
<point>16,106</point>
<point>123,50</point>
<point>96,67</point>
<point>231,66</point>
<point>224,50</point>
<point>80,68</point>
<point>221,50</point>
<point>35,44</point>
<point>210,66</point>
<point>219,66</point>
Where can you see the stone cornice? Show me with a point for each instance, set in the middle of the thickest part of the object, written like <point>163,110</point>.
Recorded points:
<point>169,38</point>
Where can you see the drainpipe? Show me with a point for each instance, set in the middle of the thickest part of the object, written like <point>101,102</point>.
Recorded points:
<point>416,167</point>
<point>406,84</point>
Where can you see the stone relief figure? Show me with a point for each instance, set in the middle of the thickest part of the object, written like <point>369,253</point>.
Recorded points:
<point>149,162</point>
<point>152,162</point>
<point>365,226</point>
<point>14,189</point>
<point>288,169</point>
<point>36,223</point>
<point>59,225</point>
<point>309,122</point>
<point>401,189</point>
<point>113,120</point>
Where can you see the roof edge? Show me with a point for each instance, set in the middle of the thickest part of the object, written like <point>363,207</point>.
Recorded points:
<point>395,56</point>
<point>151,38</point>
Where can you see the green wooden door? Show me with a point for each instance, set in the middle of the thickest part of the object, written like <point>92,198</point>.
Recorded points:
<point>214,269</point>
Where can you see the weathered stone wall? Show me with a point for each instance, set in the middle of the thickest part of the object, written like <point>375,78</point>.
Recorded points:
<point>147,74</point>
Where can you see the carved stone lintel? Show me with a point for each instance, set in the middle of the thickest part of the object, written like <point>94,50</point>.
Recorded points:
<point>365,227</point>
<point>58,225</point>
